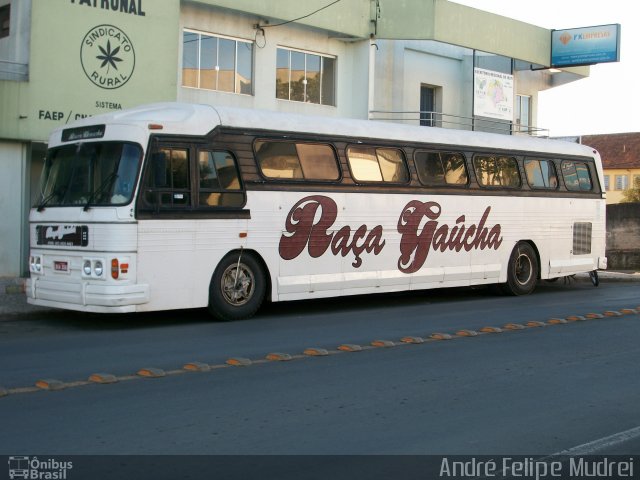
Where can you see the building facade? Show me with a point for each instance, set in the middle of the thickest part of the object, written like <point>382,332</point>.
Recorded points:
<point>620,154</point>
<point>428,62</point>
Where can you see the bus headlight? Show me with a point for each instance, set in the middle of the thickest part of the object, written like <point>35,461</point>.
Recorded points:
<point>98,268</point>
<point>93,268</point>
<point>35,264</point>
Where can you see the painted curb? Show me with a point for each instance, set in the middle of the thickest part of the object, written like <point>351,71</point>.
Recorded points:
<point>196,367</point>
<point>102,378</point>
<point>50,384</point>
<point>151,372</point>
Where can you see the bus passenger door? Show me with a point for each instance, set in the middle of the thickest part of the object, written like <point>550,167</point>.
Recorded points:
<point>165,228</point>
<point>190,215</point>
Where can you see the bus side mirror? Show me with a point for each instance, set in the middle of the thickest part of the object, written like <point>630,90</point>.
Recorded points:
<point>159,168</point>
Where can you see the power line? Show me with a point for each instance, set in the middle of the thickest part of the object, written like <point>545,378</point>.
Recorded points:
<point>299,18</point>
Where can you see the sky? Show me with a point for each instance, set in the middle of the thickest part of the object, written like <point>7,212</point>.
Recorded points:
<point>609,100</point>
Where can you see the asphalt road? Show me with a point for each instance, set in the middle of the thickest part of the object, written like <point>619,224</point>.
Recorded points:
<point>536,391</point>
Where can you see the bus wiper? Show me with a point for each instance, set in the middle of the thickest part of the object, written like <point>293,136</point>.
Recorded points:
<point>46,200</point>
<point>103,186</point>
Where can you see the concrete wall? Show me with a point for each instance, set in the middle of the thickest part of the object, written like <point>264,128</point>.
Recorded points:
<point>623,236</point>
<point>12,207</point>
<point>60,90</point>
<point>443,68</point>
<point>14,49</point>
<point>403,66</point>
<point>350,18</point>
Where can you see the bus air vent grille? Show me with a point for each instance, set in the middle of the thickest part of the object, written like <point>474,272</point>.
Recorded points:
<point>581,238</point>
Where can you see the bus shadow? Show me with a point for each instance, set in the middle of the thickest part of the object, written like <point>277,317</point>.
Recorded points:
<point>414,298</point>
<point>282,310</point>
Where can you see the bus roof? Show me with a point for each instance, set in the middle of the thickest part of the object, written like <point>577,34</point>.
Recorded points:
<point>197,119</point>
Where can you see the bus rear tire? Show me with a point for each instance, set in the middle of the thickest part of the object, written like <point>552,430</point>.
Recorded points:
<point>523,269</point>
<point>237,287</point>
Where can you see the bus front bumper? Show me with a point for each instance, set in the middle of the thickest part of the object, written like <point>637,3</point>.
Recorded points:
<point>85,296</point>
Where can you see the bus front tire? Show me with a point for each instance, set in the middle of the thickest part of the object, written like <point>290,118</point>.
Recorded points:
<point>523,269</point>
<point>237,287</point>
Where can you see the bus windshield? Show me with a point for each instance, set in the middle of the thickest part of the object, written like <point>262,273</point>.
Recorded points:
<point>92,173</point>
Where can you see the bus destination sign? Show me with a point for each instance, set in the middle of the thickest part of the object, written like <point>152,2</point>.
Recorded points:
<point>83,133</point>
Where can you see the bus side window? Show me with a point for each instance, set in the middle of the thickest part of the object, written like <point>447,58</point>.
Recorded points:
<point>584,177</point>
<point>364,164</point>
<point>576,176</point>
<point>167,185</point>
<point>219,181</point>
<point>318,161</point>
<point>297,160</point>
<point>441,168</point>
<point>497,171</point>
<point>369,164</point>
<point>541,173</point>
<point>392,165</point>
<point>159,168</point>
<point>278,160</point>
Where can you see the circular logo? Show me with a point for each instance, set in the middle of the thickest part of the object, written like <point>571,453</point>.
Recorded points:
<point>107,56</point>
<point>565,38</point>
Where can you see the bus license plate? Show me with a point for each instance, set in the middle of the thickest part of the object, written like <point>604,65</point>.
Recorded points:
<point>61,266</point>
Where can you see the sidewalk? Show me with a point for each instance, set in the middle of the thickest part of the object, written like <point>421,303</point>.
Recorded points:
<point>13,300</point>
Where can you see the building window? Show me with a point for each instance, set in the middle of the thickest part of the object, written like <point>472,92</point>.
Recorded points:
<point>622,182</point>
<point>217,63</point>
<point>636,181</point>
<point>427,106</point>
<point>5,17</point>
<point>523,113</point>
<point>606,182</point>
<point>305,77</point>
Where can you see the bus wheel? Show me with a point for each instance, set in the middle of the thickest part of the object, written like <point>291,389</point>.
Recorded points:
<point>522,275</point>
<point>237,287</point>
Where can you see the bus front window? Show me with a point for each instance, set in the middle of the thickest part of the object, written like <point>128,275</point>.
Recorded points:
<point>96,173</point>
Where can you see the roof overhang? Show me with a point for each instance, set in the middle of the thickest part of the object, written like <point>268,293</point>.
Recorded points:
<point>439,20</point>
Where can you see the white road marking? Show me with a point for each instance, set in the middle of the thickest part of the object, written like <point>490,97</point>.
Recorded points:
<point>602,443</point>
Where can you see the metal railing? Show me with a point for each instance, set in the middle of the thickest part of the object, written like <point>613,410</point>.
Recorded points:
<point>447,120</point>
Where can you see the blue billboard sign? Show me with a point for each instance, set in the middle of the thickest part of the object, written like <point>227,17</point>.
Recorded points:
<point>585,46</point>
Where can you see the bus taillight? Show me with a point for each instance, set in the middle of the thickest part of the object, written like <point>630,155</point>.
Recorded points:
<point>119,268</point>
<point>115,268</point>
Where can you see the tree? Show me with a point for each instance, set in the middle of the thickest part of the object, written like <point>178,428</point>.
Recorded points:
<point>632,194</point>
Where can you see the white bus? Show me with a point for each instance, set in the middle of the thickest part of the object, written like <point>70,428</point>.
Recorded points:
<point>173,206</point>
